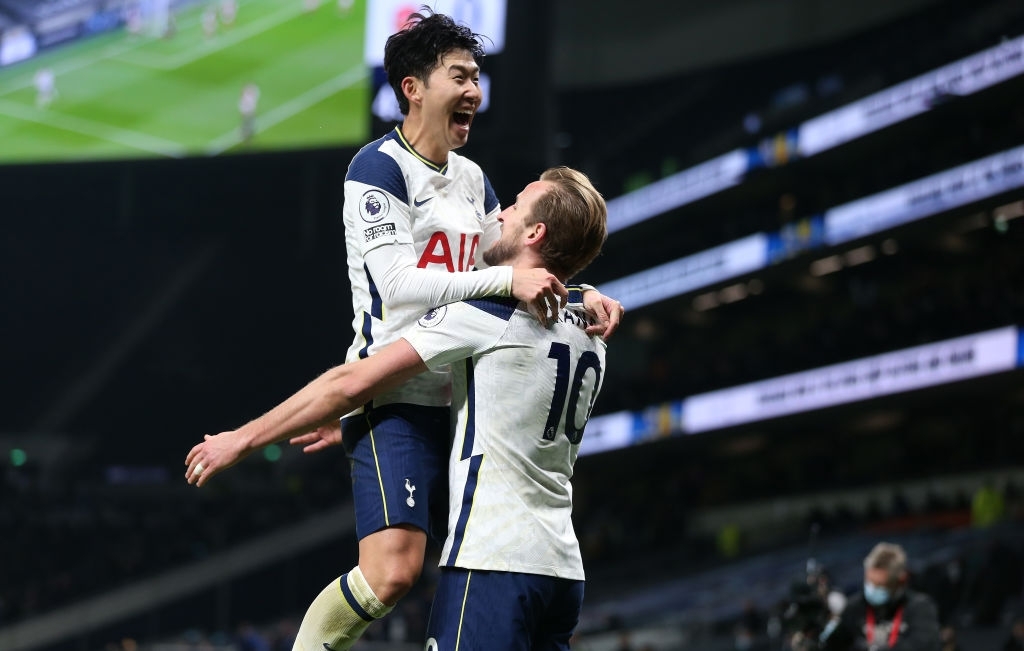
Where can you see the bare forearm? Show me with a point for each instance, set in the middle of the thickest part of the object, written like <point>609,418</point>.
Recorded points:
<point>333,394</point>
<point>328,397</point>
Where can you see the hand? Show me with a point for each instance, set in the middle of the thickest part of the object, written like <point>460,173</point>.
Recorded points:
<point>607,313</point>
<point>216,453</point>
<point>542,292</point>
<point>322,437</point>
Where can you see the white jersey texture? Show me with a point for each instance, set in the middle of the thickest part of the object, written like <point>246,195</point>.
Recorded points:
<point>521,396</point>
<point>408,224</point>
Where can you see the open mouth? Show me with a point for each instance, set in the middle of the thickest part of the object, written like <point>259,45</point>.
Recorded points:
<point>463,118</point>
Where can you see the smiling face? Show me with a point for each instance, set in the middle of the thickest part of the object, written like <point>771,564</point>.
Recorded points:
<point>448,101</point>
<point>515,220</point>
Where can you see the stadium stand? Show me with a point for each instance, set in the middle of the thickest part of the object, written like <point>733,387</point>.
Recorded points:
<point>181,300</point>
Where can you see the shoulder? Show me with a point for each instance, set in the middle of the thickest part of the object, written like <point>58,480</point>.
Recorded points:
<point>470,170</point>
<point>460,330</point>
<point>499,307</point>
<point>470,314</point>
<point>463,165</point>
<point>373,165</point>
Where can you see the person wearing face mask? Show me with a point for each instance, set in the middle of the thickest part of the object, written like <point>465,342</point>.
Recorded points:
<point>886,614</point>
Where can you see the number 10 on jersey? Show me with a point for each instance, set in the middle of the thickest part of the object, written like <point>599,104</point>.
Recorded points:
<point>588,361</point>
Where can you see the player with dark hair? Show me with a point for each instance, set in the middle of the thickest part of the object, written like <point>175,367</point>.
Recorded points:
<point>414,212</point>
<point>512,573</point>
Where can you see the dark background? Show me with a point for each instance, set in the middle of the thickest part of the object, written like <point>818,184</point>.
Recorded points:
<point>147,302</point>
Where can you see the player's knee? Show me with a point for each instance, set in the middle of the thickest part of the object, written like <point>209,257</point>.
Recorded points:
<point>392,561</point>
<point>398,579</point>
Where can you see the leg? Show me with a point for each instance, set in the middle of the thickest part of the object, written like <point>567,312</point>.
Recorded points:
<point>339,615</point>
<point>390,562</point>
<point>392,559</point>
<point>560,618</point>
<point>479,610</point>
<point>399,459</point>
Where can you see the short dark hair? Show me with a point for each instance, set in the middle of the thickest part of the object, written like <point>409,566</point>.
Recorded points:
<point>419,47</point>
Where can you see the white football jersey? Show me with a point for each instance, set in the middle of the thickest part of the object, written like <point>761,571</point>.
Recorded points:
<point>436,218</point>
<point>521,396</point>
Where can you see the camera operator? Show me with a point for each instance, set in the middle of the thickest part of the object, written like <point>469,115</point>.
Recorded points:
<point>886,615</point>
<point>813,609</point>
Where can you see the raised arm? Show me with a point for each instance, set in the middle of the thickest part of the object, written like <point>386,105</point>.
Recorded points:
<point>378,223</point>
<point>336,392</point>
<point>398,280</point>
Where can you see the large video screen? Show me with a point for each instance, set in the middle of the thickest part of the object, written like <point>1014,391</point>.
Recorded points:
<point>106,79</point>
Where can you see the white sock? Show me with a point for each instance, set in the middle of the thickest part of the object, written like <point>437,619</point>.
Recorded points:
<point>339,614</point>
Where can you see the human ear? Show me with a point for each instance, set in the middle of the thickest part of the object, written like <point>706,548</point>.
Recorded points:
<point>411,89</point>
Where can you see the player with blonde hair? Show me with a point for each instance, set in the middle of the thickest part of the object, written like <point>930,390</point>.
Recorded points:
<point>522,392</point>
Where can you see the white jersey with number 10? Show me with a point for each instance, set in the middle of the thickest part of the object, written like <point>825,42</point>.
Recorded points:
<point>521,397</point>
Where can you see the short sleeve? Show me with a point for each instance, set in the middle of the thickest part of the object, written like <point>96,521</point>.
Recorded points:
<point>458,331</point>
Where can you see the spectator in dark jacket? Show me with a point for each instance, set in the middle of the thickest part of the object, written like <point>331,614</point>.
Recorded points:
<point>886,614</point>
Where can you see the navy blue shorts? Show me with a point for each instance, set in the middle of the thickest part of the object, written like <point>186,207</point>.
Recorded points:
<point>481,610</point>
<point>399,460</point>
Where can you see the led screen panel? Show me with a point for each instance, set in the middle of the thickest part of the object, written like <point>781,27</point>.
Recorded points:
<point>164,78</point>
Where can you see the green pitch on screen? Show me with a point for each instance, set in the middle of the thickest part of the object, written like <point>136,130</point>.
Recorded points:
<point>122,95</point>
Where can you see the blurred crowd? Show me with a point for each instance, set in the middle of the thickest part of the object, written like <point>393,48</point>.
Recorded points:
<point>83,533</point>
<point>81,539</point>
<point>975,577</point>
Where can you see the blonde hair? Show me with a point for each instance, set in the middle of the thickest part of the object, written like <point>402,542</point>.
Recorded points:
<point>576,218</point>
<point>888,557</point>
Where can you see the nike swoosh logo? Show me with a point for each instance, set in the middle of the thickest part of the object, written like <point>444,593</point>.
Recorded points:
<point>419,203</point>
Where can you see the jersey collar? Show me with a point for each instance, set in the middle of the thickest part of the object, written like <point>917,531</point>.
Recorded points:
<point>405,145</point>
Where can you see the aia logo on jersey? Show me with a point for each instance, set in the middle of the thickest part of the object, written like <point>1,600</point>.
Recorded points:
<point>374,206</point>
<point>433,317</point>
<point>440,251</point>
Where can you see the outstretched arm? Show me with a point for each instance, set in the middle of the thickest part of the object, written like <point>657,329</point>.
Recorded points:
<point>336,392</point>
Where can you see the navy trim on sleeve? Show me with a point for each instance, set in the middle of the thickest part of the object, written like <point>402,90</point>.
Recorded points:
<point>470,436</point>
<point>490,198</point>
<point>373,167</point>
<point>367,332</point>
<point>459,535</point>
<point>376,304</point>
<point>503,308</point>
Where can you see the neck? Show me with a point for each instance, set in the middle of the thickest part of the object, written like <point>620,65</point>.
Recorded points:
<point>415,132</point>
<point>526,260</point>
